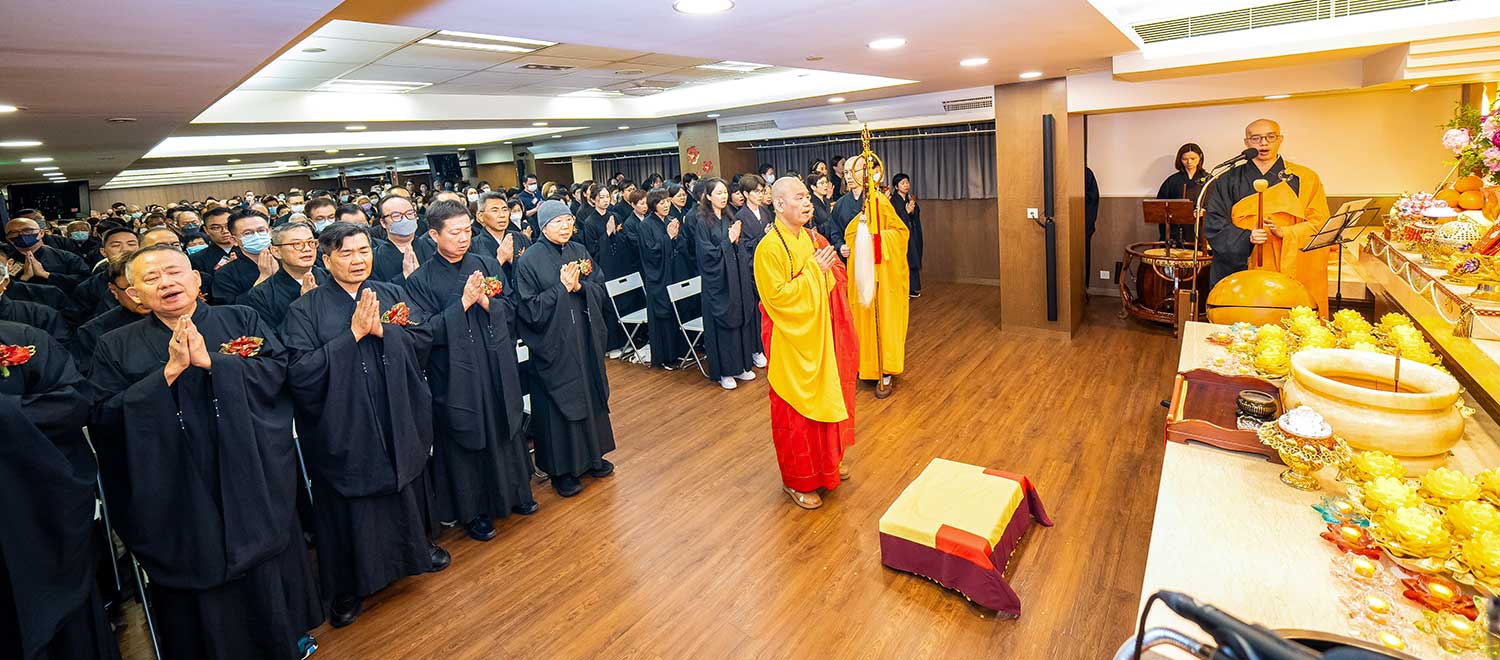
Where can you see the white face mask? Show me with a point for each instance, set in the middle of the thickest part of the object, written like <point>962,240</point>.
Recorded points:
<point>531,187</point>
<point>515,217</point>
<point>473,197</point>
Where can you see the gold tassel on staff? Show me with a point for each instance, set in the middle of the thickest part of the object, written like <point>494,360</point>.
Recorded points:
<point>873,164</point>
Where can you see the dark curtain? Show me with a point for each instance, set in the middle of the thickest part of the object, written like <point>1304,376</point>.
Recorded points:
<point>946,162</point>
<point>637,166</point>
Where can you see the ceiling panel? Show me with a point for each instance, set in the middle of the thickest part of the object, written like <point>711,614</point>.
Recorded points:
<point>546,90</point>
<point>551,61</point>
<point>404,74</point>
<point>269,84</point>
<point>440,57</point>
<point>645,70</point>
<point>581,52</point>
<point>452,88</point>
<point>349,51</point>
<point>394,34</point>
<point>297,69</point>
<point>503,78</point>
<point>675,61</point>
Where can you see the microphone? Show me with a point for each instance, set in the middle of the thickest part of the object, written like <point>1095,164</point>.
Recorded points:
<point>1233,634</point>
<point>1239,158</point>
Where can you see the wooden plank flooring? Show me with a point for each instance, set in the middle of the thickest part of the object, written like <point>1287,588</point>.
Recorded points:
<point>692,551</point>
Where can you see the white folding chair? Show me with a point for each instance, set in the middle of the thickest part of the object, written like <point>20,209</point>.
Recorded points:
<point>633,321</point>
<point>692,330</point>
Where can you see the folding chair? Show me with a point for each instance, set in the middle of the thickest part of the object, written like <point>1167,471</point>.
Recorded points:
<point>634,321</point>
<point>523,353</point>
<point>692,330</point>
<point>141,580</point>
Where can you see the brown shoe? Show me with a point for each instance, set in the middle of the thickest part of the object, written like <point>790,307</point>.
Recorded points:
<point>804,500</point>
<point>843,472</point>
<point>884,387</point>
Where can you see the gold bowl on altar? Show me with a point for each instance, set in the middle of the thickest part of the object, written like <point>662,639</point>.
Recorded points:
<point>1303,456</point>
<point>1355,392</point>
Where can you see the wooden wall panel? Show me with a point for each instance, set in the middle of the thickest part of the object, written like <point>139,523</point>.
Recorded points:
<point>500,175</point>
<point>558,174</point>
<point>959,238</point>
<point>734,161</point>
<point>168,195</point>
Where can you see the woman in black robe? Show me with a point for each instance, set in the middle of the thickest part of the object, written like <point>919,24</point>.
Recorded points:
<point>730,319</point>
<point>606,245</point>
<point>562,303</point>
<point>1185,183</point>
<point>686,266</point>
<point>910,213</point>
<point>50,607</point>
<point>660,241</point>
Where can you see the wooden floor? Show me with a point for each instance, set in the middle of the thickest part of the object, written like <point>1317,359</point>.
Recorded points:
<point>692,551</point>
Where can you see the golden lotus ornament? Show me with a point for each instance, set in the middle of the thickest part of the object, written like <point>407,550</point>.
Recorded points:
<point>1303,459</point>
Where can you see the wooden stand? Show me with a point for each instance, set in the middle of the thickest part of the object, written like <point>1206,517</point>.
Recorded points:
<point>1203,410</point>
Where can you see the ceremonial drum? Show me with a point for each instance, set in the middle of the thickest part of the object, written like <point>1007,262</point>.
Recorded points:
<point>1159,271</point>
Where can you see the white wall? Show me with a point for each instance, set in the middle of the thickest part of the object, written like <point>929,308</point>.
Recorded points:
<point>1373,143</point>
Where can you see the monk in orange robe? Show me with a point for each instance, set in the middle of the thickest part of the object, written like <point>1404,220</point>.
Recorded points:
<point>1293,208</point>
<point>811,347</point>
<point>881,285</point>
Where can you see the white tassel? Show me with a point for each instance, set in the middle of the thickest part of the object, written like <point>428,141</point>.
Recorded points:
<point>864,264</point>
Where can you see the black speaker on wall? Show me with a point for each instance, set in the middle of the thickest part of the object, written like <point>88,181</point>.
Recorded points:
<point>444,168</point>
<point>1049,210</point>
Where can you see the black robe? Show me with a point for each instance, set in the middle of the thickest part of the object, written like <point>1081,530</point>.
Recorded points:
<point>388,260</point>
<point>659,256</point>
<point>207,262</point>
<point>86,339</point>
<point>731,323</point>
<point>233,280</point>
<point>752,232</point>
<point>1181,186</point>
<point>822,214</point>
<point>687,262</point>
<point>86,249</point>
<point>591,229</point>
<point>44,294</point>
<point>565,333</point>
<point>913,222</point>
<point>486,244</point>
<point>479,463</point>
<point>365,416</point>
<point>65,269</point>
<point>844,212</point>
<point>608,250</point>
<point>49,602</point>
<point>89,299</point>
<point>36,315</point>
<point>270,298</point>
<point>206,491</point>
<point>1231,244</point>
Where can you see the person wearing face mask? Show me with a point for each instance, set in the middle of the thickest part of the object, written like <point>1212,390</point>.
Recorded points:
<point>91,297</point>
<point>396,257</point>
<point>471,194</point>
<point>518,219</point>
<point>40,263</point>
<point>81,241</point>
<point>251,260</point>
<point>276,209</point>
<point>294,203</point>
<point>295,247</point>
<point>36,315</point>
<point>321,212</point>
<point>562,303</point>
<point>530,196</point>
<point>686,264</point>
<point>186,221</point>
<point>484,187</point>
<point>193,243</point>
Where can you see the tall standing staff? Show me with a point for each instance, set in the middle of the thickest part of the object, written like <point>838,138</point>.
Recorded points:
<point>880,287</point>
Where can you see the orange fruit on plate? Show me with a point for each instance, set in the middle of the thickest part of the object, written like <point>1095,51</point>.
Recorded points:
<point>1471,200</point>
<point>1467,183</point>
<point>1448,196</point>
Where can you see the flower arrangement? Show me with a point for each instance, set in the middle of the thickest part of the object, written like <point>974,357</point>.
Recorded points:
<point>493,287</point>
<point>14,356</point>
<point>1474,138</point>
<point>398,314</point>
<point>245,347</point>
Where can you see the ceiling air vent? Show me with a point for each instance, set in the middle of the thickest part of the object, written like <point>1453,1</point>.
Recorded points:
<point>763,125</point>
<point>959,105</point>
<point>1267,15</point>
<point>545,67</point>
<point>850,116</point>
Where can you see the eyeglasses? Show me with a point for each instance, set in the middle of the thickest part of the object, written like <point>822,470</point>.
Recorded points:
<point>23,232</point>
<point>1268,138</point>
<point>308,244</point>
<point>216,227</point>
<point>402,215</point>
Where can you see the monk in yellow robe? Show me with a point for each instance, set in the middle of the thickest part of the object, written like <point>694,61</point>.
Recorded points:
<point>880,285</point>
<point>811,348</point>
<point>1293,209</point>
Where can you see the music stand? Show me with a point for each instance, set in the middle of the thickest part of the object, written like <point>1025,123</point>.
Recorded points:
<point>1332,233</point>
<point>1168,212</point>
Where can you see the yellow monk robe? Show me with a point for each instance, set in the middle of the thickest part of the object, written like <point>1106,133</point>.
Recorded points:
<point>892,298</point>
<point>1298,213</point>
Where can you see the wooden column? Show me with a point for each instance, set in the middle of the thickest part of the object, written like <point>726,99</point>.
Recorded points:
<point>702,139</point>
<point>1018,165</point>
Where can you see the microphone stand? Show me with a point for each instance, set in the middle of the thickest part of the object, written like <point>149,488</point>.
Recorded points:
<point>1198,234</point>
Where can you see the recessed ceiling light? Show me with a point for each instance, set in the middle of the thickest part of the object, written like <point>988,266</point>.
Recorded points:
<point>974,61</point>
<point>476,41</point>
<point>7,108</point>
<point>20,144</point>
<point>1028,75</point>
<point>370,86</point>
<point>701,7</point>
<point>232,160</point>
<point>1420,86</point>
<point>463,149</point>
<point>37,159</point>
<point>355,127</point>
<point>120,120</point>
<point>556,136</point>
<point>1278,97</point>
<point>623,128</point>
<point>888,43</point>
<point>330,151</point>
<point>814,58</point>
<point>45,168</point>
<point>629,72</point>
<point>538,123</point>
<point>836,99</point>
<point>1075,69</point>
<point>733,65</point>
<point>359,154</point>
<point>507,142</point>
<point>314,50</point>
<point>713,115</point>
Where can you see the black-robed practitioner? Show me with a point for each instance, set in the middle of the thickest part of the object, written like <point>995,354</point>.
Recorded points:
<point>660,243</point>
<point>204,468</point>
<point>562,302</point>
<point>682,211</point>
<point>754,217</point>
<point>251,261</point>
<point>36,315</point>
<point>40,263</point>
<point>50,607</point>
<point>220,248</point>
<point>396,257</point>
<point>604,237</point>
<point>296,251</point>
<point>593,224</point>
<point>499,233</point>
<point>1185,183</point>
<point>730,319</point>
<point>357,350</point>
<point>480,465</point>
<point>92,297</point>
<point>126,311</point>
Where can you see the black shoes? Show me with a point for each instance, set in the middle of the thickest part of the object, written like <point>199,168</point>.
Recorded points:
<point>605,469</point>
<point>567,485</point>
<point>346,609</point>
<point>525,509</point>
<point>480,528</point>
<point>440,558</point>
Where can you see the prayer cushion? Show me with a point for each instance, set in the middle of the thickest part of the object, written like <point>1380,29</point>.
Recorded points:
<point>957,524</point>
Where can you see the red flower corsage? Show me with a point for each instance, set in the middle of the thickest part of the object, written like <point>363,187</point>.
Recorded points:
<point>492,286</point>
<point>244,347</point>
<point>14,356</point>
<point>585,266</point>
<point>398,314</point>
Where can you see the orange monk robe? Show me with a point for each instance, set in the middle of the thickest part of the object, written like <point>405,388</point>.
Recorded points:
<point>811,348</point>
<point>1299,214</point>
<point>892,303</point>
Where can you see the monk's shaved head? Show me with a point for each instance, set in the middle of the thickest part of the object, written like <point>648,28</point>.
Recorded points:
<point>1264,136</point>
<point>1262,127</point>
<point>791,201</point>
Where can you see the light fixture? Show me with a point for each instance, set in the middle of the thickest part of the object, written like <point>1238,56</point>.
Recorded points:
<point>370,86</point>
<point>1420,86</point>
<point>735,66</point>
<point>556,136</point>
<point>463,149</point>
<point>713,115</point>
<point>508,142</point>
<point>887,43</point>
<point>359,154</point>
<point>45,168</point>
<point>814,58</point>
<point>20,144</point>
<point>623,128</point>
<point>232,160</point>
<point>974,61</point>
<point>702,7</point>
<point>836,99</point>
<point>1030,75</point>
<point>314,50</point>
<point>476,41</point>
<point>1278,97</point>
<point>355,127</point>
<point>7,108</point>
<point>538,123</point>
<point>37,159</point>
<point>121,120</point>
<point>330,151</point>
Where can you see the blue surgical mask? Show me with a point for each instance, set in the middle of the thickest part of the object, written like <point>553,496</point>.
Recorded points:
<point>271,208</point>
<point>297,208</point>
<point>256,243</point>
<point>136,215</point>
<point>26,241</point>
<point>344,199</point>
<point>191,227</point>
<point>320,225</point>
<point>195,249</point>
<point>404,227</point>
<point>79,235</point>
<point>368,208</point>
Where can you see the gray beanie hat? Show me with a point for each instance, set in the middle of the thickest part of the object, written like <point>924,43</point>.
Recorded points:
<point>551,210</point>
